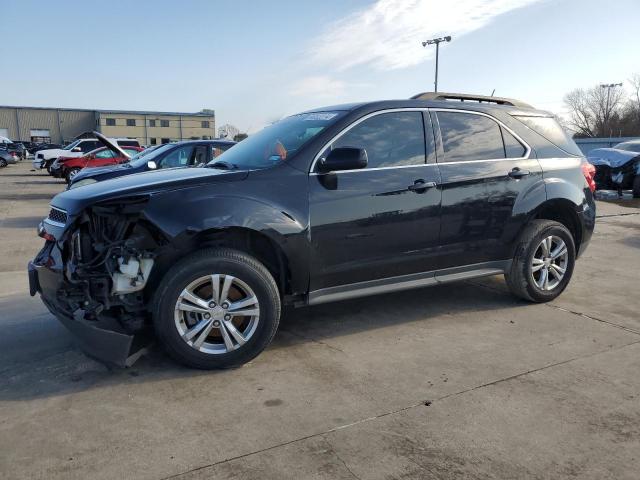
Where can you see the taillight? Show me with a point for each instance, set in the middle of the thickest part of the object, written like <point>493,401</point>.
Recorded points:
<point>589,172</point>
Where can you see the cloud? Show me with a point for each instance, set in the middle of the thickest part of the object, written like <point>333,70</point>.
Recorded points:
<point>323,87</point>
<point>387,35</point>
<point>319,85</point>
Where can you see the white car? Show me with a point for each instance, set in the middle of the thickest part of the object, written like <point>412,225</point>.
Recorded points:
<point>45,158</point>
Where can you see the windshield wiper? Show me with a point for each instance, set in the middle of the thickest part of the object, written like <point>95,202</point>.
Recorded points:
<point>222,165</point>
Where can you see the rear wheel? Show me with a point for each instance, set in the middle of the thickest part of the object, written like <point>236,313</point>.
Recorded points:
<point>3,162</point>
<point>217,308</point>
<point>71,173</point>
<point>543,262</point>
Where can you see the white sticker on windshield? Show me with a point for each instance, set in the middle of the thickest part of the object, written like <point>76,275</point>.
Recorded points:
<point>320,116</point>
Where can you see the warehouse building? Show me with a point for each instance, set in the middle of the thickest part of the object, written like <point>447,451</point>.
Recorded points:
<point>62,125</point>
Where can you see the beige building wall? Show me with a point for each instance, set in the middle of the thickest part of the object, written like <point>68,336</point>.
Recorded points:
<point>64,125</point>
<point>156,128</point>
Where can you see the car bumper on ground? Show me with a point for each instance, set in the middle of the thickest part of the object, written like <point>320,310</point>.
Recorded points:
<point>46,277</point>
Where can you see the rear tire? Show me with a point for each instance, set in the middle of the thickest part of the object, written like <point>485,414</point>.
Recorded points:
<point>71,173</point>
<point>177,315</point>
<point>636,187</point>
<point>3,163</point>
<point>535,275</point>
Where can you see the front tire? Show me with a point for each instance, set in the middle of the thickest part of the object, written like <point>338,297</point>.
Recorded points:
<point>217,308</point>
<point>543,262</point>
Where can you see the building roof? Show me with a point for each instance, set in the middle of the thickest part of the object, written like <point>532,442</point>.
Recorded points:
<point>131,112</point>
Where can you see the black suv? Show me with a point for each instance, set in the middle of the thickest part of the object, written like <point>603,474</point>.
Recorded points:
<point>326,205</point>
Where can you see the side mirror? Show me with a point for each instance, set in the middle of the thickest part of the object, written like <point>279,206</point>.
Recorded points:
<point>344,158</point>
<point>152,165</point>
<point>76,149</point>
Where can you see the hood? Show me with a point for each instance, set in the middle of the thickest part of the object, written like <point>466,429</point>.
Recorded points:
<point>111,145</point>
<point>75,200</point>
<point>90,172</point>
<point>611,157</point>
<point>59,152</point>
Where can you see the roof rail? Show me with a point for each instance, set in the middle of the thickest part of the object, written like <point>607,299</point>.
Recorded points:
<point>462,97</point>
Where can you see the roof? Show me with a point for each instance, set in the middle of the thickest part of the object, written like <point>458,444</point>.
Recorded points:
<point>466,97</point>
<point>131,112</point>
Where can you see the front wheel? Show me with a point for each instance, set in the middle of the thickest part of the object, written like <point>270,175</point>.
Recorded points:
<point>217,308</point>
<point>3,163</point>
<point>543,261</point>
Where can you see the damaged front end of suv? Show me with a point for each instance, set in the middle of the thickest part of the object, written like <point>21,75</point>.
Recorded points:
<point>104,245</point>
<point>92,271</point>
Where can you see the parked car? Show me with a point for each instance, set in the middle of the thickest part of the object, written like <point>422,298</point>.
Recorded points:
<point>15,148</point>
<point>325,205</point>
<point>180,154</point>
<point>617,168</point>
<point>6,158</point>
<point>78,148</point>
<point>69,167</point>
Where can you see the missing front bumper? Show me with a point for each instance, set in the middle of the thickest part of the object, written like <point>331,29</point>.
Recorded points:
<point>105,345</point>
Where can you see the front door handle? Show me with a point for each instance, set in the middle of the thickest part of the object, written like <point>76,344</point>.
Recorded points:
<point>517,173</point>
<point>420,186</point>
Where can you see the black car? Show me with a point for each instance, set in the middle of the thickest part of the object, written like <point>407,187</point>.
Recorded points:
<point>326,205</point>
<point>170,155</point>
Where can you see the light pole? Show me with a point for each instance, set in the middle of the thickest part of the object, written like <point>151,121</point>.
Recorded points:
<point>437,42</point>
<point>608,86</point>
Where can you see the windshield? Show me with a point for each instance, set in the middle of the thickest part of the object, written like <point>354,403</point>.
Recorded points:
<point>277,142</point>
<point>629,146</point>
<point>71,145</point>
<point>149,154</point>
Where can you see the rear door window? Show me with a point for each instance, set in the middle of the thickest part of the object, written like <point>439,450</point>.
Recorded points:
<point>512,146</point>
<point>470,137</point>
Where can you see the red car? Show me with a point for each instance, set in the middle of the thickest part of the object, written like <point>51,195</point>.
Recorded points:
<point>67,167</point>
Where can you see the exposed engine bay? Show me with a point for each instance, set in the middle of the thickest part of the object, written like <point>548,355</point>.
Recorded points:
<point>108,255</point>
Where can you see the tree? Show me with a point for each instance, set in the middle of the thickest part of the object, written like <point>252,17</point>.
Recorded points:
<point>239,137</point>
<point>595,112</point>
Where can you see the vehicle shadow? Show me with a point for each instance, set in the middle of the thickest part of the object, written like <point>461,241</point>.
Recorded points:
<point>20,222</point>
<point>40,359</point>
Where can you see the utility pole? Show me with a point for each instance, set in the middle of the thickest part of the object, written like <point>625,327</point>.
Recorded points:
<point>436,42</point>
<point>608,86</point>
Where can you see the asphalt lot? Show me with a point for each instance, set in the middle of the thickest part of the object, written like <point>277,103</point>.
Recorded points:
<point>455,381</point>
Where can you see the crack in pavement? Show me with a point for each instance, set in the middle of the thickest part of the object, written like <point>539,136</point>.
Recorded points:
<point>613,324</point>
<point>617,215</point>
<point>562,309</point>
<point>313,340</point>
<point>400,410</point>
<point>326,440</point>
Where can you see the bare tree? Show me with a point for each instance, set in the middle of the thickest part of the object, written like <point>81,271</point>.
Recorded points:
<point>594,112</point>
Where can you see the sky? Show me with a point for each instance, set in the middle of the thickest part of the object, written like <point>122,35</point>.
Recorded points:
<point>254,62</point>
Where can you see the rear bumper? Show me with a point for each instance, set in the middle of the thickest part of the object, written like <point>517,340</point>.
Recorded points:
<point>587,222</point>
<point>102,340</point>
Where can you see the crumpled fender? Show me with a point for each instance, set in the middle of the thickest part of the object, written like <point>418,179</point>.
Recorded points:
<point>184,213</point>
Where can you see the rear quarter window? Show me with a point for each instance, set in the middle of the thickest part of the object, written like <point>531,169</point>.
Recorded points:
<point>550,130</point>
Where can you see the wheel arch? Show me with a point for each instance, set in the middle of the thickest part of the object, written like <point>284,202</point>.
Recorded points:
<point>563,211</point>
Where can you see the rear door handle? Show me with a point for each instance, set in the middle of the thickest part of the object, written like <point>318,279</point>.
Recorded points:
<point>420,186</point>
<point>517,173</point>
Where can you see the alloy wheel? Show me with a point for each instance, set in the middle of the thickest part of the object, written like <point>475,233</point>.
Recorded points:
<point>549,263</point>
<point>217,314</point>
